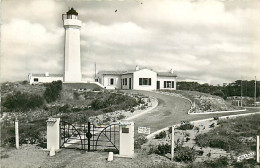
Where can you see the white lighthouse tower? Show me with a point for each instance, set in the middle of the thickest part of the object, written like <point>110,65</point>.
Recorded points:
<point>72,67</point>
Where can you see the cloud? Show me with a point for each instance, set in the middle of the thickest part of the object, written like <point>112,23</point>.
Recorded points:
<point>207,41</point>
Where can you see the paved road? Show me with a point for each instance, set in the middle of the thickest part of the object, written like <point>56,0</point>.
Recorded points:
<point>171,110</point>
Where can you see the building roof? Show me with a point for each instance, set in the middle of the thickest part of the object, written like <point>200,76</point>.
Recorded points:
<point>72,12</point>
<point>111,72</point>
<point>166,74</point>
<point>44,75</point>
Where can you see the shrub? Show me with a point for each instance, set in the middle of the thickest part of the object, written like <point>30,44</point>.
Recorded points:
<point>185,126</point>
<point>65,109</point>
<point>219,162</point>
<point>215,118</point>
<point>245,163</point>
<point>161,135</point>
<point>139,142</point>
<point>120,117</point>
<point>52,91</point>
<point>185,154</point>
<point>22,101</point>
<point>163,149</point>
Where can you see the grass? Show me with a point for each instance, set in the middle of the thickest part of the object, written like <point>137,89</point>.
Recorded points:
<point>237,135</point>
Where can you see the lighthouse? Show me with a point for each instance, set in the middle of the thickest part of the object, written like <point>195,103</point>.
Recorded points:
<point>72,63</point>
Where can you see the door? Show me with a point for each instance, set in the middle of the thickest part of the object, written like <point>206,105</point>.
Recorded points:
<point>130,83</point>
<point>158,84</point>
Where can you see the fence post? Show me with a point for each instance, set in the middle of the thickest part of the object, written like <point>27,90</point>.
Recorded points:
<point>89,133</point>
<point>172,149</point>
<point>16,134</point>
<point>257,149</point>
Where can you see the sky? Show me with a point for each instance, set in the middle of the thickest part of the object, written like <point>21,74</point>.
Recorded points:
<point>207,41</point>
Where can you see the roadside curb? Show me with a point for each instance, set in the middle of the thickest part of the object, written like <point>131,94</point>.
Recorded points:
<point>143,112</point>
<point>150,136</point>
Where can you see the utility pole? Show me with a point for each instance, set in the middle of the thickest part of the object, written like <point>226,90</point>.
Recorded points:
<point>95,70</point>
<point>241,92</point>
<point>255,90</point>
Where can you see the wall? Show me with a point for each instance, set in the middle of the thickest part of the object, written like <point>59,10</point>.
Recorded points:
<point>105,81</point>
<point>127,76</point>
<point>166,78</point>
<point>144,73</point>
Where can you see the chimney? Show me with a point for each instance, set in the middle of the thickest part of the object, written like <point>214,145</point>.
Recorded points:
<point>47,74</point>
<point>136,67</point>
<point>171,71</point>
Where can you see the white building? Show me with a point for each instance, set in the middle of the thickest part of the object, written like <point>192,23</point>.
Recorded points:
<point>44,78</point>
<point>138,79</point>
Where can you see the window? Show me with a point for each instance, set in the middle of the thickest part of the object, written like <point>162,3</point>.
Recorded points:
<point>124,81</point>
<point>168,84</point>
<point>35,79</point>
<point>111,81</point>
<point>145,81</point>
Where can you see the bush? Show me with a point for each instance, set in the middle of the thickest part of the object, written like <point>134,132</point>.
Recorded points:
<point>139,142</point>
<point>120,117</point>
<point>52,91</point>
<point>185,154</point>
<point>161,135</point>
<point>22,101</point>
<point>185,126</point>
<point>65,109</point>
<point>219,162</point>
<point>113,102</point>
<point>163,149</point>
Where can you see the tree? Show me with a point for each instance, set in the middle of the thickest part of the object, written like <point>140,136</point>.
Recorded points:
<point>52,91</point>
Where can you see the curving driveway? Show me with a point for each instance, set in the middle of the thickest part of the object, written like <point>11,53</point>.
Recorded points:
<point>171,110</point>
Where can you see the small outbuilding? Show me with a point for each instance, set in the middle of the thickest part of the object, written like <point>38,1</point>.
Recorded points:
<point>44,78</point>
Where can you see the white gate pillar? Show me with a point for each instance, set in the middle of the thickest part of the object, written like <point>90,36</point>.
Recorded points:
<point>53,134</point>
<point>126,148</point>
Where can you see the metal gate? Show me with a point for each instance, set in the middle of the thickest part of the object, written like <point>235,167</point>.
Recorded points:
<point>89,137</point>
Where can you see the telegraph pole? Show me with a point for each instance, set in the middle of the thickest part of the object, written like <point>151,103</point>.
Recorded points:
<point>241,92</point>
<point>95,70</point>
<point>255,90</point>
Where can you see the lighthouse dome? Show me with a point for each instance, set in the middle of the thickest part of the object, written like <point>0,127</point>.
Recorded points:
<point>72,12</point>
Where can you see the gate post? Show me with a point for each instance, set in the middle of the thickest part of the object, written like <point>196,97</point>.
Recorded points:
<point>88,136</point>
<point>126,133</point>
<point>53,134</point>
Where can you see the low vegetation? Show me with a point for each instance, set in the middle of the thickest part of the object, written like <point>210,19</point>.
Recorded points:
<point>202,102</point>
<point>237,135</point>
<point>161,135</point>
<point>35,103</point>
<point>185,125</point>
<point>21,102</point>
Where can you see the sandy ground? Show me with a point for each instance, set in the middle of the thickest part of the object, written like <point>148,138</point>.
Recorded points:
<point>30,156</point>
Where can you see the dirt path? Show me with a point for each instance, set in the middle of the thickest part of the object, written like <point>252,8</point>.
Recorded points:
<point>31,156</point>
<point>170,110</point>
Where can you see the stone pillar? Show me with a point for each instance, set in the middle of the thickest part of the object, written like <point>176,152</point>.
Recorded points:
<point>53,134</point>
<point>126,139</point>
